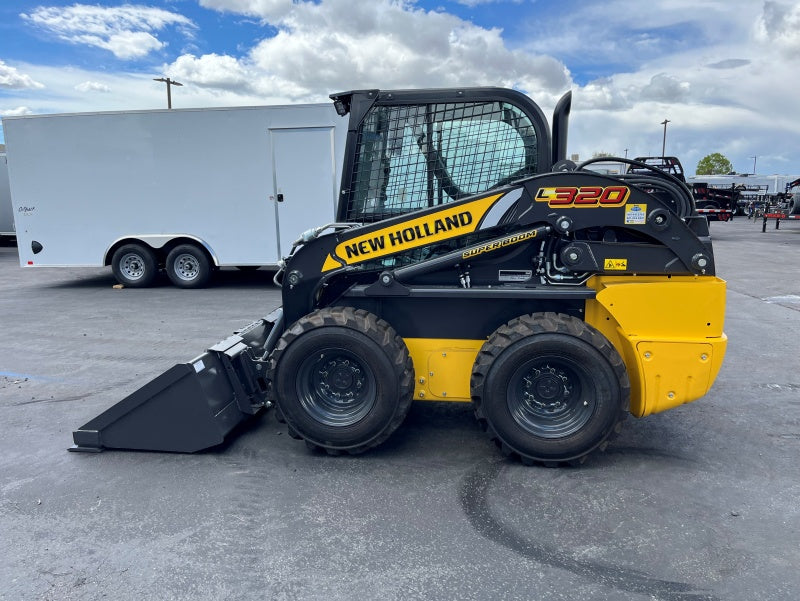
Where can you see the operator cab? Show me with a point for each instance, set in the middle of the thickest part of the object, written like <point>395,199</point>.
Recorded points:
<point>410,150</point>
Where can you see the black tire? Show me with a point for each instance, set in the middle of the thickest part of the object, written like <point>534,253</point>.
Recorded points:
<point>342,379</point>
<point>134,265</point>
<point>549,388</point>
<point>188,266</point>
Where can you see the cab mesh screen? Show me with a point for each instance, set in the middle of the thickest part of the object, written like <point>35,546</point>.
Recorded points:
<point>415,156</point>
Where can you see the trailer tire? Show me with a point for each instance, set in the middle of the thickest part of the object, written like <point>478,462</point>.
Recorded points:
<point>188,266</point>
<point>134,265</point>
<point>707,204</point>
<point>548,388</point>
<point>343,379</point>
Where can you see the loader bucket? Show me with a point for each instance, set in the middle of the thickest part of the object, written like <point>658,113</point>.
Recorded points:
<point>192,406</point>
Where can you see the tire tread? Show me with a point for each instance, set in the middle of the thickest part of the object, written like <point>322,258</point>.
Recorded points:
<point>380,332</point>
<point>540,323</point>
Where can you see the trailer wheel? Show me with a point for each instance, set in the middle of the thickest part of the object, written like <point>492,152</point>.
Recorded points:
<point>188,266</point>
<point>549,388</point>
<point>343,379</point>
<point>134,265</point>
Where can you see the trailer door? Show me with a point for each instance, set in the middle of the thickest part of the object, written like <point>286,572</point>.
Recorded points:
<point>6,212</point>
<point>304,181</point>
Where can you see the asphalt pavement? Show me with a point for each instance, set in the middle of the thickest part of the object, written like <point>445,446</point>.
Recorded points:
<point>701,502</point>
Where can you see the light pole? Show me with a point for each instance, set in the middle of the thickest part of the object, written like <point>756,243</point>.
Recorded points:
<point>664,141</point>
<point>754,164</point>
<point>170,83</point>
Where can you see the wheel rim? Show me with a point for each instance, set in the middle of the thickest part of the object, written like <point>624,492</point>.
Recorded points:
<point>551,397</point>
<point>187,267</point>
<point>335,387</point>
<point>132,266</point>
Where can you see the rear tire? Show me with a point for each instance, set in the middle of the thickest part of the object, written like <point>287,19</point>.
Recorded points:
<point>134,265</point>
<point>188,266</point>
<point>548,388</point>
<point>343,379</point>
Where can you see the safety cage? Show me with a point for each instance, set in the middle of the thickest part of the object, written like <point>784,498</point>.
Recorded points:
<point>412,155</point>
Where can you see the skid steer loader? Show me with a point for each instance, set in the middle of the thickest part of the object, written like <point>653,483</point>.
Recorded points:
<point>469,263</point>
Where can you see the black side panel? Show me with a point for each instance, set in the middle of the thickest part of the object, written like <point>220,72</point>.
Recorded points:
<point>450,316</point>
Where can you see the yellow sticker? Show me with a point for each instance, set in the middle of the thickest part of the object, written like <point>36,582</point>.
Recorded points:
<point>615,264</point>
<point>635,214</point>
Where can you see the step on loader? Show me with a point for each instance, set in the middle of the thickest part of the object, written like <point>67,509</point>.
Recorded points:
<point>470,262</point>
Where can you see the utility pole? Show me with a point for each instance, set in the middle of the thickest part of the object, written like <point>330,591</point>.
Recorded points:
<point>170,83</point>
<point>664,142</point>
<point>754,164</point>
<point>626,153</point>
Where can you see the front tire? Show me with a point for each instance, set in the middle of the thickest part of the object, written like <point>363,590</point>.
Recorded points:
<point>188,266</point>
<point>549,388</point>
<point>134,265</point>
<point>343,379</point>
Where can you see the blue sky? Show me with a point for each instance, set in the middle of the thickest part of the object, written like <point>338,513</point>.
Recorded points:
<point>724,72</point>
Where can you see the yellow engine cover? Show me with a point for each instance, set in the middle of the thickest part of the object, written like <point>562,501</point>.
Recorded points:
<point>669,331</point>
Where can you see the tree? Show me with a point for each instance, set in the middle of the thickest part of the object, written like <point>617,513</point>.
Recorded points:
<point>714,164</point>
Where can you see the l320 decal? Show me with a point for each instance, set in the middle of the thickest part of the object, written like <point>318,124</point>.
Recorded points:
<point>586,196</point>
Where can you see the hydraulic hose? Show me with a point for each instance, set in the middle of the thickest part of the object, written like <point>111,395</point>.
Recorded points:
<point>684,200</point>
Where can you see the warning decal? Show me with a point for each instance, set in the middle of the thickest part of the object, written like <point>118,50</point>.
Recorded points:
<point>615,264</point>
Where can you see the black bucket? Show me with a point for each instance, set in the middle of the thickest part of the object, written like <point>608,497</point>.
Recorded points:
<point>192,406</point>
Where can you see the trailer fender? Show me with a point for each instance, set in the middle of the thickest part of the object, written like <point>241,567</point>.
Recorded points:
<point>158,242</point>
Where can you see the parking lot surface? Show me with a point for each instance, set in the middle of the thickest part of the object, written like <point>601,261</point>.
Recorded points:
<point>701,502</point>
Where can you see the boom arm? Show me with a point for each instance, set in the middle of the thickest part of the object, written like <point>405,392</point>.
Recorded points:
<point>565,226</point>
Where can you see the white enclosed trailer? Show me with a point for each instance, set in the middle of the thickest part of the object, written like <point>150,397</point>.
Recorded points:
<point>6,212</point>
<point>185,190</point>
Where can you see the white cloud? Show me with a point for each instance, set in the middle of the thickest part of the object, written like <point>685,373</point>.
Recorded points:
<point>92,86</point>
<point>665,88</point>
<point>729,63</point>
<point>716,69</point>
<point>779,25</point>
<point>73,90</point>
<point>327,46</point>
<point>16,112</point>
<point>265,9</point>
<point>126,44</point>
<point>127,31</point>
<point>720,70</point>
<point>211,70</point>
<point>12,79</point>
<point>473,3</point>
<point>695,62</point>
